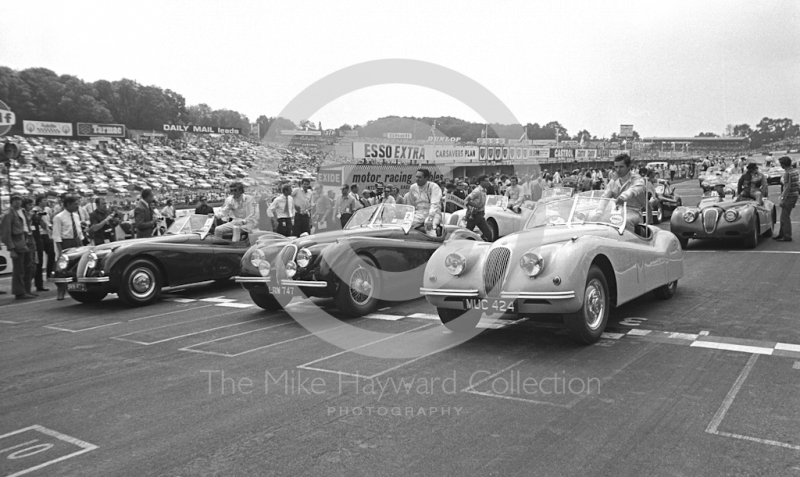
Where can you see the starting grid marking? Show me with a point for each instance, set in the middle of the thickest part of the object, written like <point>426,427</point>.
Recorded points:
<point>703,340</point>
<point>217,301</point>
<point>35,447</point>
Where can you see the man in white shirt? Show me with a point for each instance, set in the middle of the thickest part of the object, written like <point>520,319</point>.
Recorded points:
<point>426,197</point>
<point>302,197</point>
<point>240,207</point>
<point>67,233</point>
<point>281,211</point>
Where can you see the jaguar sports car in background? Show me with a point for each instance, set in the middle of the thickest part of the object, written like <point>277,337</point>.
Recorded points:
<point>574,258</point>
<point>137,269</point>
<point>378,256</point>
<point>502,220</point>
<point>724,218</point>
<point>667,201</point>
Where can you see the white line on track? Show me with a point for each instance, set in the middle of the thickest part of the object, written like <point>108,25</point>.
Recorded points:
<point>122,337</point>
<point>9,322</point>
<point>228,355</point>
<point>732,347</point>
<point>198,332</point>
<point>3,307</point>
<point>82,329</point>
<point>169,313</point>
<point>305,365</point>
<point>726,404</point>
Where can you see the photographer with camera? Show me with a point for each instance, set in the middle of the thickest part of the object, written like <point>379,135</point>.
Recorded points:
<point>102,223</point>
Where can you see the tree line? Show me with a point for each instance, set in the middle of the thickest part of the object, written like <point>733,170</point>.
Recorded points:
<point>40,94</point>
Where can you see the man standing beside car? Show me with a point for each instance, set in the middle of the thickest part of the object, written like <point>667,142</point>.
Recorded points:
<point>143,215</point>
<point>627,188</point>
<point>788,198</point>
<point>66,232</point>
<point>281,211</point>
<point>102,223</point>
<point>476,209</point>
<point>303,202</point>
<point>16,229</point>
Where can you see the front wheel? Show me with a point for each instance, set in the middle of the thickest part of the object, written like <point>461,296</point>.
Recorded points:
<point>265,301</point>
<point>751,241</point>
<point>659,215</point>
<point>769,231</point>
<point>665,292</point>
<point>587,324</point>
<point>87,297</point>
<point>495,231</point>
<point>453,321</point>
<point>359,288</point>
<point>141,283</point>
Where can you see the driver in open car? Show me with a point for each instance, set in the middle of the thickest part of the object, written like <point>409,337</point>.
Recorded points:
<point>426,197</point>
<point>239,207</point>
<point>627,188</point>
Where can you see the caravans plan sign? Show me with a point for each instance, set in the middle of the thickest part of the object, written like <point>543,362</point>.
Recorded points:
<point>201,129</point>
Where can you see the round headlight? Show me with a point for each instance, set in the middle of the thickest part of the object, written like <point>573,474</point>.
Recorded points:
<point>531,263</point>
<point>304,257</point>
<point>455,263</point>
<point>291,269</point>
<point>263,268</point>
<point>257,257</point>
<point>62,263</point>
<point>92,263</point>
<point>689,216</point>
<point>731,215</point>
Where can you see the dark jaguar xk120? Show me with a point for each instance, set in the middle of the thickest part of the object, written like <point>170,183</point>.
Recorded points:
<point>378,256</point>
<point>137,269</point>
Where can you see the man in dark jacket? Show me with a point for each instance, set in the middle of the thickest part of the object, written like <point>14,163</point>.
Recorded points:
<point>143,215</point>
<point>16,229</point>
<point>203,208</point>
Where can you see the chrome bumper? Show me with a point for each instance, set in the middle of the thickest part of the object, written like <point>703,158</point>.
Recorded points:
<point>538,295</point>
<point>94,279</point>
<point>304,283</point>
<point>251,279</point>
<point>446,292</point>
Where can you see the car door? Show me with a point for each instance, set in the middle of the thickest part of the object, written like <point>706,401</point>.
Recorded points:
<point>227,256</point>
<point>188,261</point>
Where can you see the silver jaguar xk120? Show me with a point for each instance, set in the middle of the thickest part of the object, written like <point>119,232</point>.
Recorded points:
<point>574,258</point>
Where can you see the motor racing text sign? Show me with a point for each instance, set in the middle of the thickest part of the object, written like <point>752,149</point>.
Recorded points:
<point>47,128</point>
<point>365,176</point>
<point>101,130</point>
<point>201,129</point>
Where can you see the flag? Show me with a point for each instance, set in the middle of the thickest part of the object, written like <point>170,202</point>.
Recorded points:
<point>524,134</point>
<point>557,135</point>
<point>582,141</point>
<point>485,132</point>
<point>433,129</point>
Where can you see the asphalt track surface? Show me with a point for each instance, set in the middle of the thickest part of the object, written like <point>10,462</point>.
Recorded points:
<point>703,384</point>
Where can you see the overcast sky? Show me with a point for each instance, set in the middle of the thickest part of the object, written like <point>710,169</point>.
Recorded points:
<point>672,68</point>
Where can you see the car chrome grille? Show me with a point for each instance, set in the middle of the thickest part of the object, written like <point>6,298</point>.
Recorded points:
<point>288,253</point>
<point>710,217</point>
<point>82,265</point>
<point>495,269</point>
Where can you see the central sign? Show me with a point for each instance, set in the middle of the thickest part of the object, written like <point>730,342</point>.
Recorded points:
<point>101,130</point>
<point>201,129</point>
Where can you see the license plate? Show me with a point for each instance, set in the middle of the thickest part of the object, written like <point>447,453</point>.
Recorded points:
<point>285,291</point>
<point>489,304</point>
<point>81,287</point>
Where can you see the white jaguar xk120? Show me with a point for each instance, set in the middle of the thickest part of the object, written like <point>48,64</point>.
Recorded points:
<point>573,258</point>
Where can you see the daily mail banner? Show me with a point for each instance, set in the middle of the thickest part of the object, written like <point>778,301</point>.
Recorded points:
<point>101,130</point>
<point>47,128</point>
<point>400,152</point>
<point>201,129</point>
